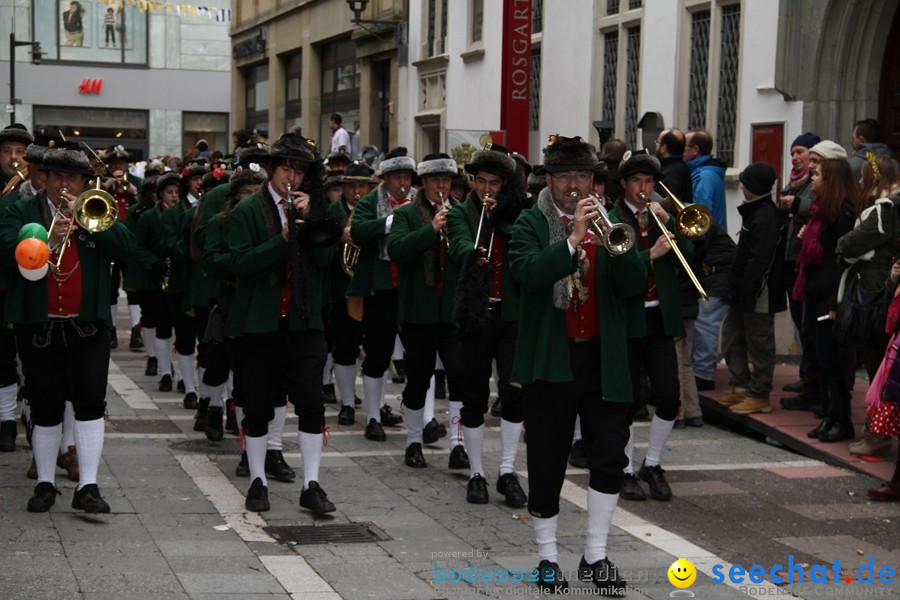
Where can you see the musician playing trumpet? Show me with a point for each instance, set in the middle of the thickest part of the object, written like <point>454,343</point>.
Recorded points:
<point>569,355</point>
<point>14,139</point>
<point>487,314</point>
<point>654,318</point>
<point>346,333</point>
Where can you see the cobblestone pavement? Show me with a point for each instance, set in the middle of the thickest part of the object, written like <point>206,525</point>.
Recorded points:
<point>178,528</point>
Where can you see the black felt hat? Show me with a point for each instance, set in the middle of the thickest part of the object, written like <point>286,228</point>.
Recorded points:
<point>568,154</point>
<point>66,157</point>
<point>635,163</point>
<point>494,160</point>
<point>292,146</point>
<point>358,172</point>
<point>16,133</point>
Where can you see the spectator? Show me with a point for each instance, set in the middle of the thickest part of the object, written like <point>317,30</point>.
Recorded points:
<point>867,137</point>
<point>611,153</point>
<point>340,139</point>
<point>676,174</point>
<point>707,173</point>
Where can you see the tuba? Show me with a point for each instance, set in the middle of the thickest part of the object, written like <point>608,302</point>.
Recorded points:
<point>350,251</point>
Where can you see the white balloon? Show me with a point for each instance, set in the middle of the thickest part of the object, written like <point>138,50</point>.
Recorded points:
<point>34,274</point>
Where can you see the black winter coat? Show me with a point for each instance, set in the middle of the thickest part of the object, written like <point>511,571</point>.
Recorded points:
<point>759,260</point>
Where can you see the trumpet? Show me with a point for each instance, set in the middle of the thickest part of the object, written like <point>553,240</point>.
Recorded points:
<point>618,238</point>
<point>350,252</point>
<point>693,220</point>
<point>678,253</point>
<point>445,205</point>
<point>484,206</point>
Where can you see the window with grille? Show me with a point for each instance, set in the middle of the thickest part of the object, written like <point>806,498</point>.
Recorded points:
<point>537,16</point>
<point>612,7</point>
<point>256,96</point>
<point>535,109</point>
<point>477,26</point>
<point>610,64</point>
<point>632,4</point>
<point>432,22</point>
<point>728,83</point>
<point>292,77</point>
<point>699,69</point>
<point>436,28</point>
<point>632,84</point>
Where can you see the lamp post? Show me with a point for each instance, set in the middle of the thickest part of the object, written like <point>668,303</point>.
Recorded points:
<point>36,56</point>
<point>359,6</point>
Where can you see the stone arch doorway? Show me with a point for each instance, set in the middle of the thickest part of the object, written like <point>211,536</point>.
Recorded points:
<point>889,88</point>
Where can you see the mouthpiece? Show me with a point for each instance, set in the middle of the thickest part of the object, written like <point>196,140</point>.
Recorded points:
<point>642,195</point>
<point>403,190</point>
<point>573,194</point>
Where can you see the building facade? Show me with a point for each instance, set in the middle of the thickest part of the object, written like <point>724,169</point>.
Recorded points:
<point>298,62</point>
<point>152,77</point>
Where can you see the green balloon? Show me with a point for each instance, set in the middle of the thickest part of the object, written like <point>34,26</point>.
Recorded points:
<point>33,230</point>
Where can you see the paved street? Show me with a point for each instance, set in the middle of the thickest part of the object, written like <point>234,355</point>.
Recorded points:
<point>178,528</point>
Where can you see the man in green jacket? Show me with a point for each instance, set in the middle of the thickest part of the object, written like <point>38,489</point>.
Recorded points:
<point>428,276</point>
<point>487,314</point>
<point>569,356</point>
<point>654,318</point>
<point>375,279</point>
<point>62,323</point>
<point>277,310</point>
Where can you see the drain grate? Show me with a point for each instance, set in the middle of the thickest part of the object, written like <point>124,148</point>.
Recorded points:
<point>349,533</point>
<point>226,446</point>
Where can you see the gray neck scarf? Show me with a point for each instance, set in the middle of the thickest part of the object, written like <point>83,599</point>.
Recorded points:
<point>562,288</point>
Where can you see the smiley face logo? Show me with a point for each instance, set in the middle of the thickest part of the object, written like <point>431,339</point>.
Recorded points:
<point>682,573</point>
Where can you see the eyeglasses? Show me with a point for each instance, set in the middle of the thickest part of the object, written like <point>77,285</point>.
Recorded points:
<point>566,178</point>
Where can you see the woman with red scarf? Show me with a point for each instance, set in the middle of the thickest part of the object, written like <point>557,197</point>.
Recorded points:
<point>832,213</point>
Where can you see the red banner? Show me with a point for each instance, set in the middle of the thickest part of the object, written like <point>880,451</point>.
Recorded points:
<point>515,89</point>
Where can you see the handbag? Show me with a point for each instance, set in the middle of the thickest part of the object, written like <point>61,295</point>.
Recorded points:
<point>861,314</point>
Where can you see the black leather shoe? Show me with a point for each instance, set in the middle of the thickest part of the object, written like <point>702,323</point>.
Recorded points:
<point>838,432</point>
<point>328,396</point>
<point>821,428</point>
<point>165,383</point>
<point>631,489</point>
<point>347,415</point>
<point>357,401</point>
<point>476,490</point>
<point>508,485</point>
<point>8,431</point>
<point>202,415</point>
<point>315,499</point>
<point>414,457</point>
<point>656,480</point>
<point>679,424</point>
<point>243,467</point>
<point>152,367</point>
<point>388,418</point>
<point>605,576</point>
<point>180,385</point>
<point>458,458</point>
<point>400,372</point>
<point>231,424</point>
<point>497,408</point>
<point>136,344</point>
<point>375,432</point>
<point>277,469</point>
<point>432,432</point>
<point>113,339</point>
<point>257,497</point>
<point>577,457</point>
<point>549,578</point>
<point>190,401</point>
<point>44,497</point>
<point>89,500</point>
<point>694,421</point>
<point>704,385</point>
<point>795,387</point>
<point>214,431</point>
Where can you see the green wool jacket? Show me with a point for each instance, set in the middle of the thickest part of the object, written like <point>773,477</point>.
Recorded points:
<point>371,274</point>
<point>542,347</point>
<point>213,202</point>
<point>26,301</point>
<point>257,255</point>
<point>6,201</point>
<point>335,281</point>
<point>665,273</point>
<point>173,242</point>
<point>137,277</point>
<point>420,303</point>
<point>462,243</point>
<point>218,263</point>
<point>200,287</point>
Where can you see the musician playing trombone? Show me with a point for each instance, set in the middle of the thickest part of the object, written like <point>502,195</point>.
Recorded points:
<point>654,317</point>
<point>62,322</point>
<point>487,314</point>
<point>569,355</point>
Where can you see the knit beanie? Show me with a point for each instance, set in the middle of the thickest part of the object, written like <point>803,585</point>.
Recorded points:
<point>806,140</point>
<point>758,178</point>
<point>829,149</point>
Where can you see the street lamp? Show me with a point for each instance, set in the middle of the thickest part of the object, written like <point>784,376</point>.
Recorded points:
<point>358,7</point>
<point>36,56</point>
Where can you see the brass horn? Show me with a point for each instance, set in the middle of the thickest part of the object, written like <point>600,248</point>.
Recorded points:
<point>350,252</point>
<point>95,209</point>
<point>618,238</point>
<point>20,176</point>
<point>693,220</point>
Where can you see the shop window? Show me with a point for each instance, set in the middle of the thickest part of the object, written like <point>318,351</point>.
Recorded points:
<point>293,72</point>
<point>256,96</point>
<point>212,127</point>
<point>100,128</point>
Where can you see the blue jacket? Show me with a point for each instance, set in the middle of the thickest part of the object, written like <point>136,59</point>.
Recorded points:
<point>708,181</point>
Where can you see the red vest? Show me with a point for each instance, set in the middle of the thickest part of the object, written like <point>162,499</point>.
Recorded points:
<point>583,317</point>
<point>64,288</point>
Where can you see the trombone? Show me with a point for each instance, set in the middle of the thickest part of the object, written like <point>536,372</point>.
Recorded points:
<point>618,238</point>
<point>693,220</point>
<point>95,209</point>
<point>675,249</point>
<point>484,207</point>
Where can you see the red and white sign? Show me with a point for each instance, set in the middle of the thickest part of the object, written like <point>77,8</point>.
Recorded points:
<point>515,90</point>
<point>90,86</point>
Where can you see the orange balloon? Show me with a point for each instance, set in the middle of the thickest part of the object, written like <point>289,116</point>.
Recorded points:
<point>32,253</point>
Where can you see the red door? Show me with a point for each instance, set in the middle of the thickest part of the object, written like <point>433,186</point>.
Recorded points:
<point>767,145</point>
